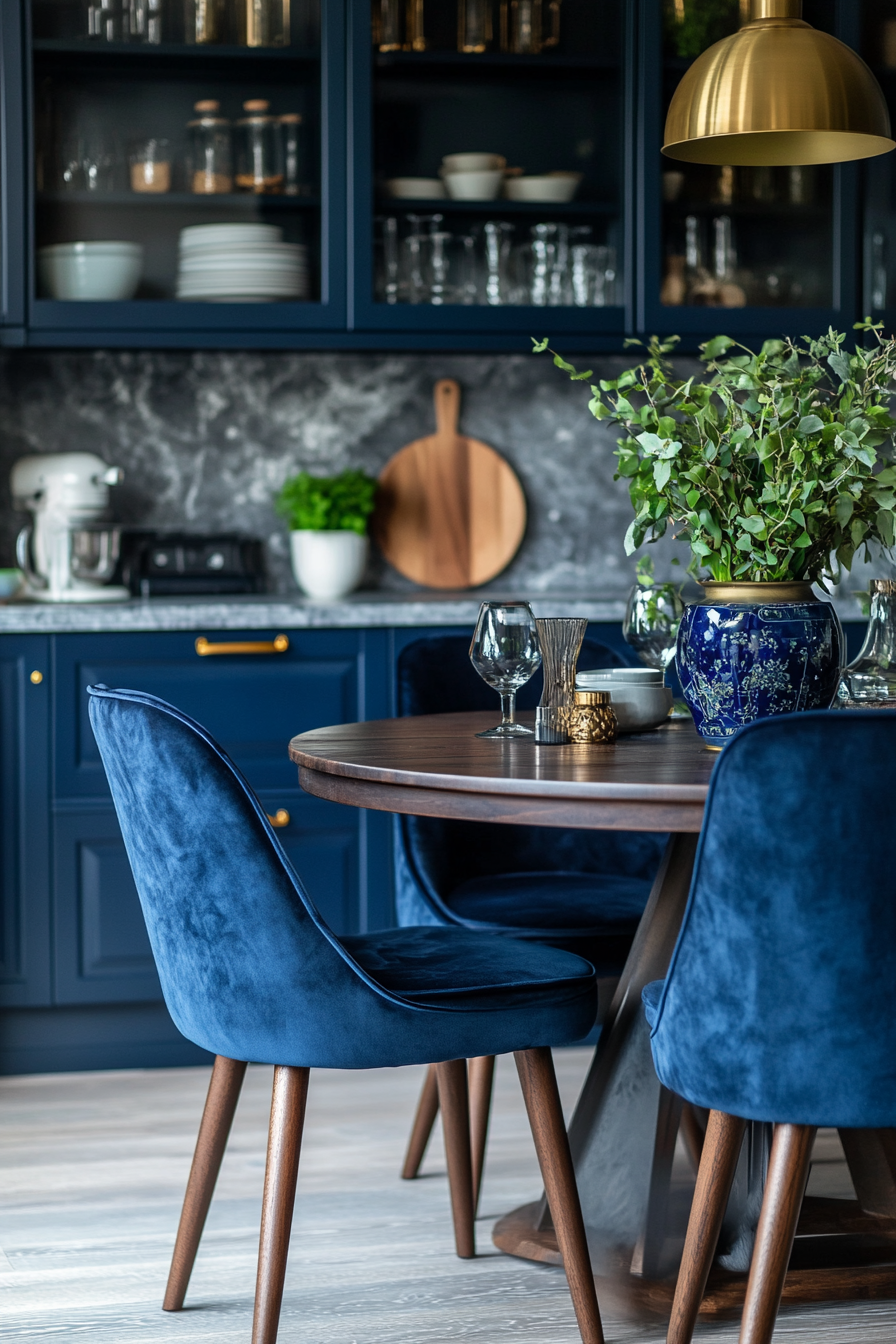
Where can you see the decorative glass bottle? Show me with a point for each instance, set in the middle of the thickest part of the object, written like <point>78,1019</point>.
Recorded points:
<point>870,681</point>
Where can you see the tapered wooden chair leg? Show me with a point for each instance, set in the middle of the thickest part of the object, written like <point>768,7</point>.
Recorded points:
<point>427,1110</point>
<point>721,1148</point>
<point>539,1084</point>
<point>284,1145</point>
<point>220,1106</point>
<point>785,1185</point>
<point>455,1107</point>
<point>481,1076</point>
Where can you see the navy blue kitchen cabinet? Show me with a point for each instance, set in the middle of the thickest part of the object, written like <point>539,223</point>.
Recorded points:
<point>25,961</point>
<point>786,254</point>
<point>76,970</point>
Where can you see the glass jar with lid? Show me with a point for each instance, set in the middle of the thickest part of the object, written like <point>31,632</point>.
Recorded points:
<point>258,149</point>
<point>209,167</point>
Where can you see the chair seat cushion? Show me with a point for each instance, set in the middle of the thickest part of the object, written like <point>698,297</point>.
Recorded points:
<point>572,905</point>
<point>453,969</point>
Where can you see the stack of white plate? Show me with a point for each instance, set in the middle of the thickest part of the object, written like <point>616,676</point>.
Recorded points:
<point>240,263</point>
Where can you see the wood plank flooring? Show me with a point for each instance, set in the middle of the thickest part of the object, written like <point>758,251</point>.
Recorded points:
<point>92,1170</point>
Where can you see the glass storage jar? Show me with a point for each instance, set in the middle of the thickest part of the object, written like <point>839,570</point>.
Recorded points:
<point>259,162</point>
<point>210,171</point>
<point>263,23</point>
<point>205,21</point>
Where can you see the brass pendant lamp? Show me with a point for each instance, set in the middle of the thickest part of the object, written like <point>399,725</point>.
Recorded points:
<point>777,92</point>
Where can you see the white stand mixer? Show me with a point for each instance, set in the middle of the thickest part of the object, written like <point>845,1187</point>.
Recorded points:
<point>69,554</point>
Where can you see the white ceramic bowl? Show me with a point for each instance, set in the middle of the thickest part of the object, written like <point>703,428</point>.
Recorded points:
<point>416,188</point>
<point>472,163</point>
<point>552,187</point>
<point>483,185</point>
<point>91,271</point>
<point>637,702</point>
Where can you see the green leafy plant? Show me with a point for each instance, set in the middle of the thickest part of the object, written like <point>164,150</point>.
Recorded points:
<point>775,467</point>
<point>340,503</point>
<point>690,26</point>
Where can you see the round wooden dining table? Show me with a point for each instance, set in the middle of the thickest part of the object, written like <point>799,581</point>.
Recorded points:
<point>625,1126</point>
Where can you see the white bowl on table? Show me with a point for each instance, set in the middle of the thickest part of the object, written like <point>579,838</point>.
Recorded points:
<point>472,163</point>
<point>551,188</point>
<point>102,271</point>
<point>416,188</point>
<point>638,697</point>
<point>482,185</point>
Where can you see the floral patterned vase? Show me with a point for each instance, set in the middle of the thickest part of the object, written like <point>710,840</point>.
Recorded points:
<point>752,650</point>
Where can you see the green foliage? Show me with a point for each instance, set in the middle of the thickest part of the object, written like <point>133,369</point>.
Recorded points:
<point>690,26</point>
<point>340,503</point>
<point>778,466</point>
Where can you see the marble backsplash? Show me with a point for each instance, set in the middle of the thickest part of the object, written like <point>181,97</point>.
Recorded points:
<point>206,440</point>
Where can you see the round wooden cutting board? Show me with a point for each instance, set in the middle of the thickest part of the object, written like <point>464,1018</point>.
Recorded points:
<point>451,512</point>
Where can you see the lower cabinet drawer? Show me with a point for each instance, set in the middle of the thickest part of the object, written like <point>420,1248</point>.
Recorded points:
<point>101,948</point>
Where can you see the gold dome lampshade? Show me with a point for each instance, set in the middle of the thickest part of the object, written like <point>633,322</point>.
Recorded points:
<point>777,92</point>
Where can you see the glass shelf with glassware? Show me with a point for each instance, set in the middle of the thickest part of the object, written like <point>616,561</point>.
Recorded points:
<point>126,27</point>
<point>496,180</point>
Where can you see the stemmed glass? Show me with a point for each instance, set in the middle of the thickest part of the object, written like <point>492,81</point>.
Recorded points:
<point>505,653</point>
<point>652,618</point>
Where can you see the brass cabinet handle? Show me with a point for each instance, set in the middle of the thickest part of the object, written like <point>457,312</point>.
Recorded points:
<point>279,819</point>
<point>278,645</point>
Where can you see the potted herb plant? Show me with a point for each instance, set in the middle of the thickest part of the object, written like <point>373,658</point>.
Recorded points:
<point>776,469</point>
<point>328,517</point>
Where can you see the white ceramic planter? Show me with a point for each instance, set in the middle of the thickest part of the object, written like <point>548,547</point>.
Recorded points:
<point>327,565</point>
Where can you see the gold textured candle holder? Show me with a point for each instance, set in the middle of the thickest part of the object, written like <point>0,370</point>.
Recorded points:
<point>591,718</point>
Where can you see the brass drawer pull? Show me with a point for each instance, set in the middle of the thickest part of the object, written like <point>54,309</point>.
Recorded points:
<point>278,645</point>
<point>279,819</point>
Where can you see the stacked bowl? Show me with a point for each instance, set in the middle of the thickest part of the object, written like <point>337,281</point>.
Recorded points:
<point>94,271</point>
<point>638,696</point>
<point>240,263</point>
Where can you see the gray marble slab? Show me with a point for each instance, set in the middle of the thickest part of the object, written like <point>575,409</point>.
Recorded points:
<point>364,610</point>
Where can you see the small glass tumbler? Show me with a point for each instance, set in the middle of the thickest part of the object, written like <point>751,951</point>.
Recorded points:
<point>504,651</point>
<point>560,639</point>
<point>150,166</point>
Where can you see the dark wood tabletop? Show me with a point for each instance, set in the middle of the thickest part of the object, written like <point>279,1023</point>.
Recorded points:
<point>434,765</point>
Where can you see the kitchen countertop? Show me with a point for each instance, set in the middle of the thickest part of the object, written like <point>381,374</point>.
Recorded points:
<point>364,610</point>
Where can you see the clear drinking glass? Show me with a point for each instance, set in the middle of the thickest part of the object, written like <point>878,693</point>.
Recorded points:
<point>474,26</point>
<point>505,653</point>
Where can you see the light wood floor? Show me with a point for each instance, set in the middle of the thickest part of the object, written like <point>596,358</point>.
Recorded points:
<point>92,1169</point>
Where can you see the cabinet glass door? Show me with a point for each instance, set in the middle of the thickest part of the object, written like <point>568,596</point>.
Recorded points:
<point>178,173</point>
<point>763,246</point>
<point>879,289</point>
<point>489,156</point>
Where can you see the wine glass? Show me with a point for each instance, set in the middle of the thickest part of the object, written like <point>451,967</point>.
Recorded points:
<point>505,653</point>
<point>651,623</point>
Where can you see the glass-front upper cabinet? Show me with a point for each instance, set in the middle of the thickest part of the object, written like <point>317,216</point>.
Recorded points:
<point>179,181</point>
<point>879,289</point>
<point>489,164</point>
<point>748,241</point>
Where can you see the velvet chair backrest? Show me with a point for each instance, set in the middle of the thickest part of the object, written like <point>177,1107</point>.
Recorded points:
<point>435,675</point>
<point>780,1000</point>
<point>248,967</point>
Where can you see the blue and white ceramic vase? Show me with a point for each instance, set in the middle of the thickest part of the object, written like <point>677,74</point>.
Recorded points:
<point>752,650</point>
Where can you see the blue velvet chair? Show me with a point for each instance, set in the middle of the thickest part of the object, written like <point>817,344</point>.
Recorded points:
<point>250,971</point>
<point>778,1005</point>
<point>584,891</point>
